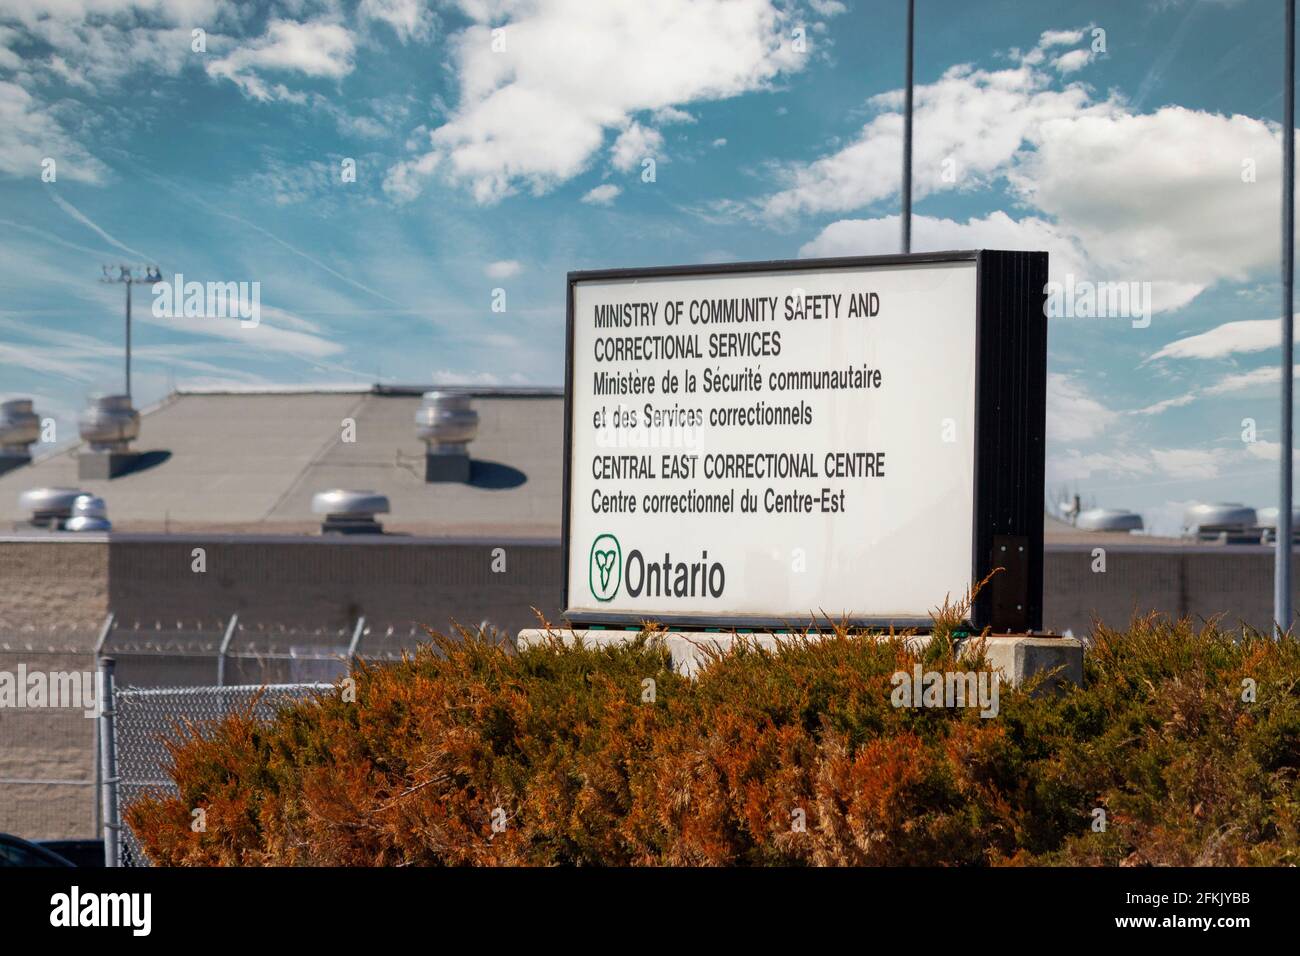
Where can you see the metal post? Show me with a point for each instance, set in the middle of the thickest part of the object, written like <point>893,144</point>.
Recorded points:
<point>1282,560</point>
<point>108,759</point>
<point>128,338</point>
<point>225,644</point>
<point>356,641</point>
<point>907,136</point>
<point>105,629</point>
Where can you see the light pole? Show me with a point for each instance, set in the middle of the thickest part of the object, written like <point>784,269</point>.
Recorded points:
<point>1282,556</point>
<point>128,276</point>
<point>907,136</point>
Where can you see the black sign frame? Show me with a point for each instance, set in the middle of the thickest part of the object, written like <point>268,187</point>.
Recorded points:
<point>1009,441</point>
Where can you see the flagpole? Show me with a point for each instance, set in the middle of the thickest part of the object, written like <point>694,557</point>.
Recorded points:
<point>907,136</point>
<point>1282,561</point>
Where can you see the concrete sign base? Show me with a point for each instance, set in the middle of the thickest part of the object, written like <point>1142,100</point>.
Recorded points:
<point>1017,656</point>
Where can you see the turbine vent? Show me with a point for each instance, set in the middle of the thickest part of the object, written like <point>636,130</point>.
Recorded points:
<point>446,422</point>
<point>349,512</point>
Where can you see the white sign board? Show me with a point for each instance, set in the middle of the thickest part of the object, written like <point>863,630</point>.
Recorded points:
<point>772,446</point>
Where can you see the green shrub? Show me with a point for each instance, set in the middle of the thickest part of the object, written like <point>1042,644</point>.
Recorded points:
<point>789,758</point>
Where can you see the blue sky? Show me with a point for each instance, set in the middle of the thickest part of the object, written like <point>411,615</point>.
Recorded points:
<point>500,143</point>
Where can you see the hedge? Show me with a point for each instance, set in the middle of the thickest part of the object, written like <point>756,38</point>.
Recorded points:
<point>1181,748</point>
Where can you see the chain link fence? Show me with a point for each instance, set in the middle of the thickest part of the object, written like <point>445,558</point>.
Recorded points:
<point>50,755</point>
<point>144,718</point>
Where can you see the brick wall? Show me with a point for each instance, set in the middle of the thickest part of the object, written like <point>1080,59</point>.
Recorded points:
<point>310,582</point>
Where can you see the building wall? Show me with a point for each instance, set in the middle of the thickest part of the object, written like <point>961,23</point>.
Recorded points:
<point>313,582</point>
<point>1201,582</point>
<point>42,581</point>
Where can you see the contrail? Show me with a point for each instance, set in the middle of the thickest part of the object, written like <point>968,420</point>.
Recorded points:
<point>85,220</point>
<point>298,252</point>
<point>274,238</point>
<point>48,237</point>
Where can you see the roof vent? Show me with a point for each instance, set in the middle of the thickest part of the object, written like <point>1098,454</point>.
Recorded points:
<point>1268,525</point>
<point>49,507</point>
<point>446,422</point>
<point>89,513</point>
<point>19,430</point>
<point>1227,523</point>
<point>109,423</point>
<point>1108,519</point>
<point>349,512</point>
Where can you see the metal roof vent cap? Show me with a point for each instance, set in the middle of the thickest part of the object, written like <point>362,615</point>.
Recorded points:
<point>49,507</point>
<point>349,512</point>
<point>447,422</point>
<point>19,428</point>
<point>109,423</point>
<point>1268,518</point>
<point>89,513</point>
<point>1204,517</point>
<point>1109,519</point>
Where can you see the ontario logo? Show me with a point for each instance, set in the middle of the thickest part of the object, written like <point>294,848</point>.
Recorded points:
<point>605,568</point>
<point>607,573</point>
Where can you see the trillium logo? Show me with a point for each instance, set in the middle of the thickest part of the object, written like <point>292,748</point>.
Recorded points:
<point>605,569</point>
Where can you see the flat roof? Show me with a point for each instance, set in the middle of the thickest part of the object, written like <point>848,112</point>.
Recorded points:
<point>250,461</point>
<point>247,460</point>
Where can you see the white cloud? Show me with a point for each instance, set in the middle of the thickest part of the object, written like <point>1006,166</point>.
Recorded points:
<point>1177,401</point>
<point>29,135</point>
<point>1268,450</point>
<point>1074,465</point>
<point>403,181</point>
<point>1051,38</point>
<point>633,145</point>
<point>669,115</point>
<point>446,376</point>
<point>270,334</point>
<point>1265,376</point>
<point>318,49</point>
<point>534,113</point>
<point>1159,197</point>
<point>1174,463</point>
<point>1252,335</point>
<point>409,19</point>
<point>1072,414</point>
<point>856,237</point>
<point>602,195</point>
<point>503,269</point>
<point>1187,462</point>
<point>32,12</point>
<point>1072,62</point>
<point>978,119</point>
<point>92,46</point>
